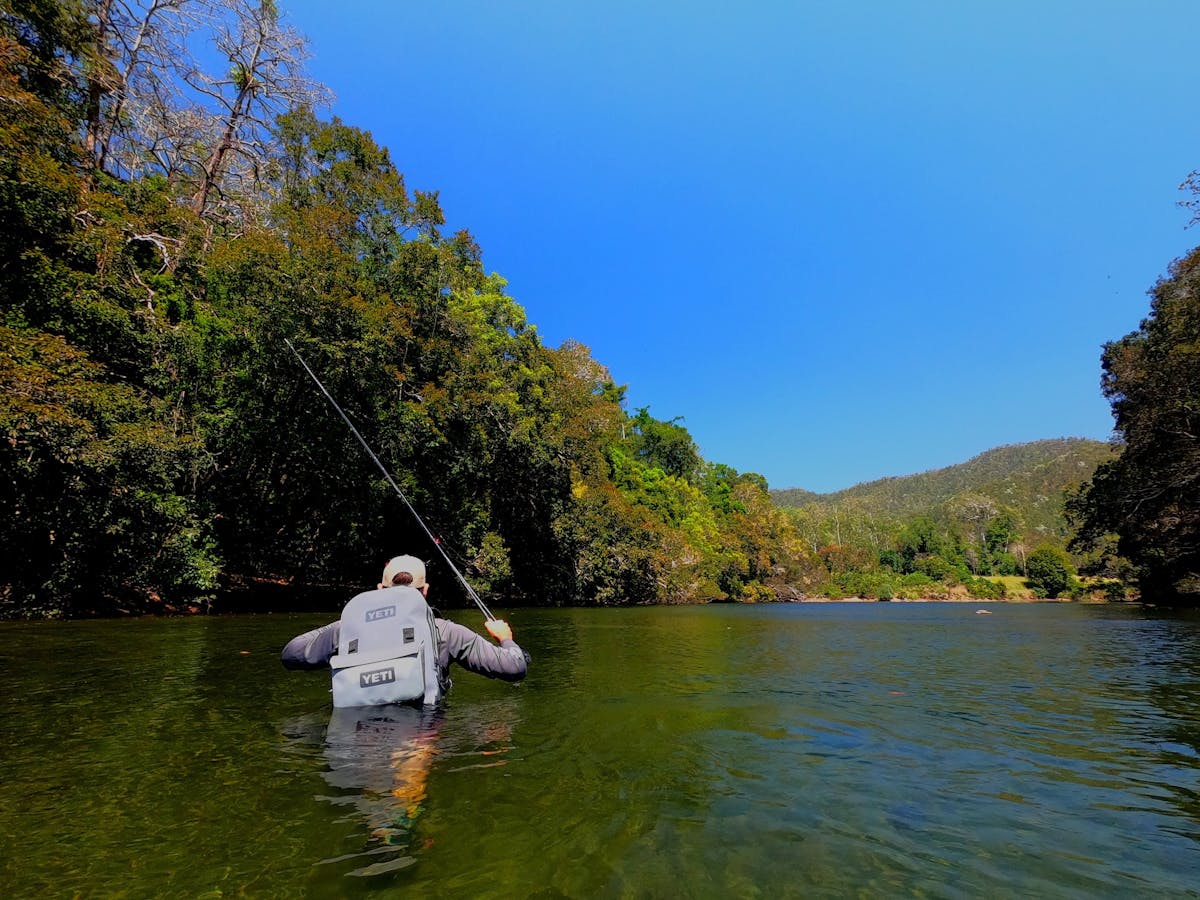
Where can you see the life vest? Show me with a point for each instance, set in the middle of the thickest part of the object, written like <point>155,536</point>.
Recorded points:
<point>387,650</point>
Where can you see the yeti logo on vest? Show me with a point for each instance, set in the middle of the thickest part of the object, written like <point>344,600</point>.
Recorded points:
<point>378,676</point>
<point>387,650</point>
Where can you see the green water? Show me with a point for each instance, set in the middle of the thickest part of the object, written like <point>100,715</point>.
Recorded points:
<point>871,750</point>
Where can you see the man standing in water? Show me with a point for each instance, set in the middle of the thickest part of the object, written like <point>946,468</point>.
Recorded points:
<point>388,649</point>
<point>455,643</point>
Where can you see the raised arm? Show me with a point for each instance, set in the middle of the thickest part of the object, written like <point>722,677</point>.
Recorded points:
<point>477,654</point>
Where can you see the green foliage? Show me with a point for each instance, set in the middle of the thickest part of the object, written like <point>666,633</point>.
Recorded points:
<point>1049,571</point>
<point>985,589</point>
<point>1025,481</point>
<point>717,482</point>
<point>1003,529</point>
<point>157,436</point>
<point>866,585</point>
<point>954,526</point>
<point>664,445</point>
<point>1115,590</point>
<point>841,558</point>
<point>94,502</point>
<point>917,584</point>
<point>160,435</point>
<point>920,537</point>
<point>1004,564</point>
<point>618,549</point>
<point>935,568</point>
<point>1149,497</point>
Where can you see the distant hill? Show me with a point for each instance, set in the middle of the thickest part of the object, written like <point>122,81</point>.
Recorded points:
<point>1030,478</point>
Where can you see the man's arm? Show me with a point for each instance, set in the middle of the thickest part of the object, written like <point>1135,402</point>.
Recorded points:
<point>312,649</point>
<point>477,654</point>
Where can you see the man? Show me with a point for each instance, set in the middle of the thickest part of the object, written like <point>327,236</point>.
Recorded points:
<point>455,643</point>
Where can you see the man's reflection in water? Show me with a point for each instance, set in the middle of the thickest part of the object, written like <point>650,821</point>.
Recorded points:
<point>382,757</point>
<point>384,754</point>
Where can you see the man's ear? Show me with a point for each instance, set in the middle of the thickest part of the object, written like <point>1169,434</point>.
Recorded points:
<point>381,586</point>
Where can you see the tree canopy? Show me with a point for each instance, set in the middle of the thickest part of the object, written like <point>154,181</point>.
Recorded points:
<point>1149,497</point>
<point>167,221</point>
<point>165,226</point>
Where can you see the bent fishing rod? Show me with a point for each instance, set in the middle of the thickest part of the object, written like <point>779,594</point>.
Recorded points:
<point>395,487</point>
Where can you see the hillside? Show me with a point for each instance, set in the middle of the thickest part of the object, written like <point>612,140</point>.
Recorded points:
<point>1029,478</point>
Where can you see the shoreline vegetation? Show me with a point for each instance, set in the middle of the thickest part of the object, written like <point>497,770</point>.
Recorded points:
<point>165,227</point>
<point>952,600</point>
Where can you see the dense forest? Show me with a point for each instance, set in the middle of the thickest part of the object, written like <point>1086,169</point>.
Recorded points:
<point>167,222</point>
<point>173,207</point>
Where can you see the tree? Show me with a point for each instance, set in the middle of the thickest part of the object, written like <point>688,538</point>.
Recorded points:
<point>1049,570</point>
<point>39,187</point>
<point>1191,184</point>
<point>667,445</point>
<point>1002,531</point>
<point>94,498</point>
<point>265,78</point>
<point>1150,495</point>
<point>131,93</point>
<point>920,537</point>
<point>975,511</point>
<point>162,230</point>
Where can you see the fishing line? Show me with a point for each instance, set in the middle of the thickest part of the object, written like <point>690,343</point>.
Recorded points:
<point>387,475</point>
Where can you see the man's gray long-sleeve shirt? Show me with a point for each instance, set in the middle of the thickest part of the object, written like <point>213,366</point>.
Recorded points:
<point>456,643</point>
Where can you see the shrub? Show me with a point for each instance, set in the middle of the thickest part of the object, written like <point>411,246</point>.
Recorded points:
<point>868,585</point>
<point>917,586</point>
<point>757,592</point>
<point>985,589</point>
<point>1114,590</point>
<point>833,591</point>
<point>1076,589</point>
<point>934,567</point>
<point>891,559</point>
<point>1004,564</point>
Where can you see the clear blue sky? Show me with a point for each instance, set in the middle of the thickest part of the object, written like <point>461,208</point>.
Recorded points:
<point>842,240</point>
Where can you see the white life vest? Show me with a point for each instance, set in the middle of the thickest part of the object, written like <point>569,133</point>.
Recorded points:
<point>387,650</point>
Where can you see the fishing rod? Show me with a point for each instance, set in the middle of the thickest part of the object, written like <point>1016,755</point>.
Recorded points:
<point>387,475</point>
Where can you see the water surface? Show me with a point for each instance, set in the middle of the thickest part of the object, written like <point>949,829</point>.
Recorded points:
<point>795,751</point>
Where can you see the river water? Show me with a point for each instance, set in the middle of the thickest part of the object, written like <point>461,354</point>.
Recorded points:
<point>822,750</point>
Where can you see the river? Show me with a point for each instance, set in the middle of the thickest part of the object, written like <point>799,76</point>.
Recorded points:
<point>822,750</point>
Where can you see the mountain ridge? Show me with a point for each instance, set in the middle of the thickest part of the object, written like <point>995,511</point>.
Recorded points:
<point>1028,477</point>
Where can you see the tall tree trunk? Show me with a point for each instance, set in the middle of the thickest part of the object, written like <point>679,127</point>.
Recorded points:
<point>212,169</point>
<point>97,86</point>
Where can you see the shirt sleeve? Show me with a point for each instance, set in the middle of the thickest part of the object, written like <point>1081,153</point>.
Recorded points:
<point>477,654</point>
<point>312,649</point>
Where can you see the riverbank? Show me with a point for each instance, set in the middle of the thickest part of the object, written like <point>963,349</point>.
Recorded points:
<point>976,600</point>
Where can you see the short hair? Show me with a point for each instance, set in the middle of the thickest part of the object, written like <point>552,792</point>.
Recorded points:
<point>402,578</point>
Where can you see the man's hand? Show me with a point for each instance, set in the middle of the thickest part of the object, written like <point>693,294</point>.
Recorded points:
<point>499,629</point>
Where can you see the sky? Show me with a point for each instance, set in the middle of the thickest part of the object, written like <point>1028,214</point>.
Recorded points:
<point>842,240</point>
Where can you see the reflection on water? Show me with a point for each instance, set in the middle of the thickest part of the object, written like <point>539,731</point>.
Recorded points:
<point>875,749</point>
<point>379,759</point>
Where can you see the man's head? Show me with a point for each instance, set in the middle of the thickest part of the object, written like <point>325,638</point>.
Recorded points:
<point>405,570</point>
